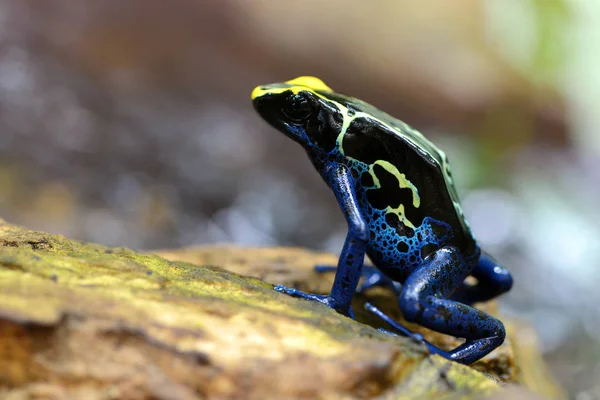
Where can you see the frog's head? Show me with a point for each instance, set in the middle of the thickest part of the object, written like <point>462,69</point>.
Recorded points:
<point>301,110</point>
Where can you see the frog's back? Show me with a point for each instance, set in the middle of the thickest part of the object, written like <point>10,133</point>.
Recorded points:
<point>406,190</point>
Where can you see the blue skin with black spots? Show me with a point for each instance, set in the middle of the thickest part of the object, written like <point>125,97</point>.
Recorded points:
<point>397,195</point>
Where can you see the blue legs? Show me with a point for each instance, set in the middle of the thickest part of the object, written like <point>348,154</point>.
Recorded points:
<point>351,259</point>
<point>371,275</point>
<point>424,300</point>
<point>492,280</point>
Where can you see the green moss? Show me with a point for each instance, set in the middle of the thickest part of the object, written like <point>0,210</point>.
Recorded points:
<point>236,320</point>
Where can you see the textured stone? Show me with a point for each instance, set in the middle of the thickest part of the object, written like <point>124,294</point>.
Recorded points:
<point>86,321</point>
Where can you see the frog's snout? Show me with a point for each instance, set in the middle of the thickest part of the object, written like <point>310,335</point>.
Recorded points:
<point>266,104</point>
<point>258,103</point>
<point>257,92</point>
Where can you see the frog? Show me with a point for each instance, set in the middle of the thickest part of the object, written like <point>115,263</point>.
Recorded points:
<point>399,199</point>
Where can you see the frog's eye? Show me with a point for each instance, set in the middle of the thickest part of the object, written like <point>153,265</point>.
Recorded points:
<point>296,107</point>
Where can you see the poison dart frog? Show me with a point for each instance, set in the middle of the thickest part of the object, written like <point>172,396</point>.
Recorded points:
<point>398,196</point>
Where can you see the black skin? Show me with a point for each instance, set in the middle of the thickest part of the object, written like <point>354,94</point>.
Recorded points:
<point>424,253</point>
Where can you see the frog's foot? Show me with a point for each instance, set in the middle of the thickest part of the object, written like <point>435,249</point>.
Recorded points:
<point>324,299</point>
<point>417,337</point>
<point>397,327</point>
<point>372,277</point>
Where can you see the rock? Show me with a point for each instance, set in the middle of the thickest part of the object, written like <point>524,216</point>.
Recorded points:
<point>85,321</point>
<point>516,362</point>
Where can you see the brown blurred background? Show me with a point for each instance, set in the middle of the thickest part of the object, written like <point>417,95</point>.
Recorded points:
<point>129,123</point>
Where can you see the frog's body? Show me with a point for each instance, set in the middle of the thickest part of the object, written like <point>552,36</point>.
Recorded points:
<point>397,193</point>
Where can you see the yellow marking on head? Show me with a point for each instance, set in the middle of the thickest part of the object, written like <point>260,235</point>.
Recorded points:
<point>309,83</point>
<point>257,92</point>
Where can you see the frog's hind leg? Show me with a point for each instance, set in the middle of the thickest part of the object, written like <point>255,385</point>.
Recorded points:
<point>372,277</point>
<point>424,300</point>
<point>492,281</point>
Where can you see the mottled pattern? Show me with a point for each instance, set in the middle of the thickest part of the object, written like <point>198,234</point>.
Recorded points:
<point>395,245</point>
<point>397,193</point>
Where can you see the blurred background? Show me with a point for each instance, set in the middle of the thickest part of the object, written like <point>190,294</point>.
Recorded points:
<point>129,123</point>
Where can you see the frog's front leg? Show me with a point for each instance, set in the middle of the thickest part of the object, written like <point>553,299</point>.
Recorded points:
<point>372,277</point>
<point>351,259</point>
<point>424,300</point>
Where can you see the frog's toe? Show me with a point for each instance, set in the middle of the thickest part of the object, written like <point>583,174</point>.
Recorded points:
<point>300,294</point>
<point>397,327</point>
<point>286,290</point>
<point>387,332</point>
<point>324,299</point>
<point>321,269</point>
<point>417,337</point>
<point>350,313</point>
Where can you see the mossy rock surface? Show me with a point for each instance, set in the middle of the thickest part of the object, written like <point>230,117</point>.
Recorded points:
<point>85,321</point>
